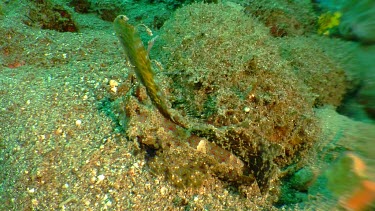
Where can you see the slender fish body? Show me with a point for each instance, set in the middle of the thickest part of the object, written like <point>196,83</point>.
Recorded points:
<point>137,55</point>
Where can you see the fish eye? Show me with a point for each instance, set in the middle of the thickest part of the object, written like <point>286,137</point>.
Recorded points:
<point>123,17</point>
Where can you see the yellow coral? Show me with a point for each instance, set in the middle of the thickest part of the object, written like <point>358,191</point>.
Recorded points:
<point>328,21</point>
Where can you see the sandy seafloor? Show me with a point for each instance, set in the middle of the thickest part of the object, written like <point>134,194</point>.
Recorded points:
<point>60,151</point>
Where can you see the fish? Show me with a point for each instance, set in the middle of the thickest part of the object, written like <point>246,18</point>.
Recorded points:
<point>137,56</point>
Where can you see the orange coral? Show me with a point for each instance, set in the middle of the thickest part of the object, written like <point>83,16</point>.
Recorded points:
<point>361,198</point>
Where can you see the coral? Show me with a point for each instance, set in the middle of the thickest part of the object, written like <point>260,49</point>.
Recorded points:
<point>363,197</point>
<point>328,22</point>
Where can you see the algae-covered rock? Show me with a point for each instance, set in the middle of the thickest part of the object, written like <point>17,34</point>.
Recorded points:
<point>303,178</point>
<point>284,18</point>
<point>228,76</point>
<point>108,10</point>
<point>47,14</point>
<point>321,65</point>
<point>228,73</point>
